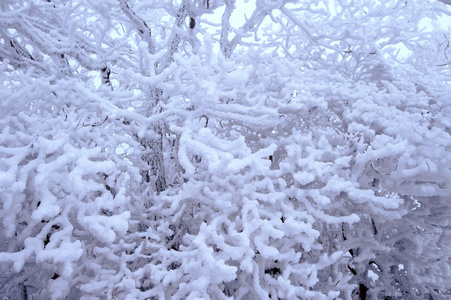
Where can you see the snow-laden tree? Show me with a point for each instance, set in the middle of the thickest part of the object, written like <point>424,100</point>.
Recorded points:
<point>156,150</point>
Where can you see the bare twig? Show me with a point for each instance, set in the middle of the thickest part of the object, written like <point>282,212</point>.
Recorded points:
<point>95,124</point>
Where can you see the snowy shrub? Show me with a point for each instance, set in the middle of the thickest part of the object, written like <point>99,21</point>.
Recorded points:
<point>162,150</point>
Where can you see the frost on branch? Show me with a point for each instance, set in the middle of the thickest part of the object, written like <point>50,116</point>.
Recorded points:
<point>64,193</point>
<point>162,150</point>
